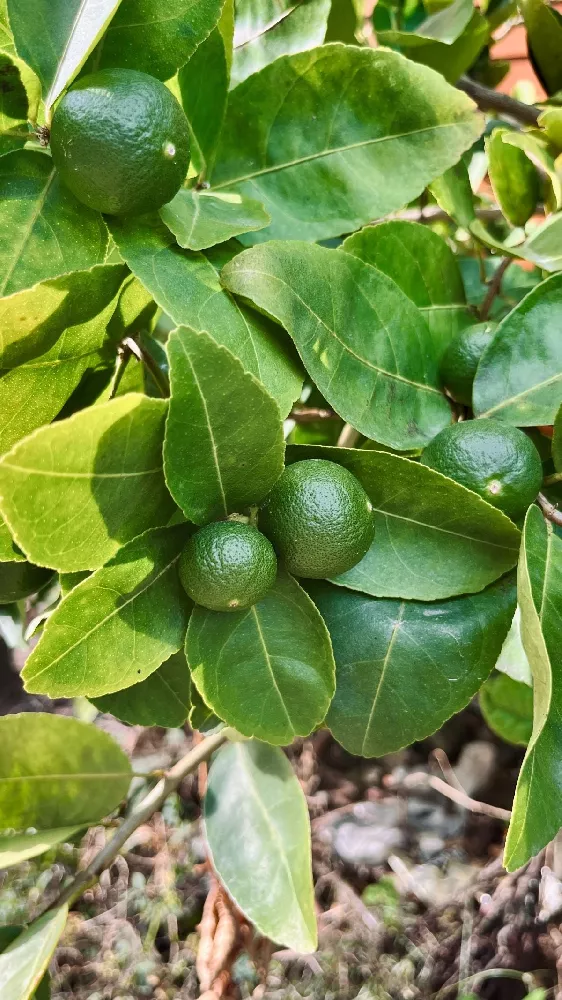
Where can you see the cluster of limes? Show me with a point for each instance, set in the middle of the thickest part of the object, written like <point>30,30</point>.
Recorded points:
<point>317,519</point>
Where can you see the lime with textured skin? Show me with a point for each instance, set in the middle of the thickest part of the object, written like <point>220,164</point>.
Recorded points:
<point>120,142</point>
<point>319,518</point>
<point>227,566</point>
<point>495,460</point>
<point>460,360</point>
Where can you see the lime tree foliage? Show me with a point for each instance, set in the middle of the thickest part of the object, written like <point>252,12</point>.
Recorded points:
<point>280,412</point>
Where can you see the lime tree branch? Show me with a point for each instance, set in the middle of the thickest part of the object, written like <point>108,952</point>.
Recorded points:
<point>489,100</point>
<point>141,813</point>
<point>549,510</point>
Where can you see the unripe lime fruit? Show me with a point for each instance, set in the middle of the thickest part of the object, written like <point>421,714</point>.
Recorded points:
<point>319,519</point>
<point>120,142</point>
<point>495,460</point>
<point>227,566</point>
<point>460,360</point>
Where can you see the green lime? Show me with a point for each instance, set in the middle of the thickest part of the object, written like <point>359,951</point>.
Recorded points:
<point>460,360</point>
<point>495,460</point>
<point>227,566</point>
<point>319,518</point>
<point>120,142</point>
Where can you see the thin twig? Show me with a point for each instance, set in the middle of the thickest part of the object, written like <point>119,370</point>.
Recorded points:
<point>348,437</point>
<point>549,510</point>
<point>141,813</point>
<point>307,414</point>
<point>490,100</point>
<point>420,779</point>
<point>494,287</point>
<point>432,213</point>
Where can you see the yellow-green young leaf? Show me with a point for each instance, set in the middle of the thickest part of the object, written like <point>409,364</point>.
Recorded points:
<point>267,671</point>
<point>162,699</point>
<point>519,378</point>
<point>106,462</point>
<point>9,551</point>
<point>364,343</point>
<point>544,246</point>
<point>397,126</point>
<point>433,538</point>
<point>32,320</point>
<point>20,579</point>
<point>423,265</point>
<point>266,30</point>
<point>143,36</point>
<point>116,627</point>
<point>13,107</point>
<point>256,821</point>
<point>224,446</point>
<point>453,193</point>
<point>44,231</point>
<point>513,177</point>
<point>56,771</point>
<point>536,146</point>
<point>200,219</point>
<point>544,39</point>
<point>537,807</point>
<point>512,660</point>
<point>187,287</point>
<point>507,707</point>
<point>404,667</point>
<point>23,846</point>
<point>25,960</point>
<point>6,37</point>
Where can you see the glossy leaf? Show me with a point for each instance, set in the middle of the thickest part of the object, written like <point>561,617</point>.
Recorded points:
<point>544,38</point>
<point>256,821</point>
<point>396,127</point>
<point>537,806</point>
<point>32,320</point>
<point>23,846</point>
<point>265,30</point>
<point>404,667</point>
<point>68,32</point>
<point>44,231</point>
<point>451,56</point>
<point>433,538</point>
<point>224,447</point>
<point>9,551</point>
<point>162,699</point>
<point>20,579</point>
<point>56,771</point>
<point>507,707</point>
<point>106,462</point>
<point>200,219</point>
<point>13,107</point>
<point>519,378</point>
<point>187,286</point>
<point>535,145</point>
<point>24,962</point>
<point>424,267</point>
<point>6,37</point>
<point>203,84</point>
<point>514,179</point>
<point>453,193</point>
<point>544,245</point>
<point>557,441</point>
<point>117,627</point>
<point>140,37</point>
<point>512,660</point>
<point>268,671</point>
<point>361,339</point>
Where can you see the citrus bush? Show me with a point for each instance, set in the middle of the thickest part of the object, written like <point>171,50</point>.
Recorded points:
<point>280,430</point>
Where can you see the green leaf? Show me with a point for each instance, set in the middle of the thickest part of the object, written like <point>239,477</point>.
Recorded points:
<point>512,660</point>
<point>433,538</point>
<point>256,821</point>
<point>268,671</point>
<point>224,447</point>
<point>544,246</point>
<point>116,627</point>
<point>13,107</point>
<point>25,961</point>
<point>557,441</point>
<point>6,37</point>
<point>23,846</point>
<point>404,667</point>
<point>200,219</point>
<point>345,21</point>
<point>106,463</point>
<point>544,40</point>
<point>449,41</point>
<point>507,707</point>
<point>453,193</point>
<point>397,126</point>
<point>513,177</point>
<point>20,579</point>
<point>201,717</point>
<point>535,145</point>
<point>187,286</point>
<point>55,38</point>
<point>162,699</point>
<point>9,551</point>
<point>70,580</point>
<point>140,37</point>
<point>265,30</point>
<point>32,320</point>
<point>203,84</point>
<point>361,339</point>
<point>56,771</point>
<point>423,265</point>
<point>519,378</point>
<point>44,231</point>
<point>537,807</point>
